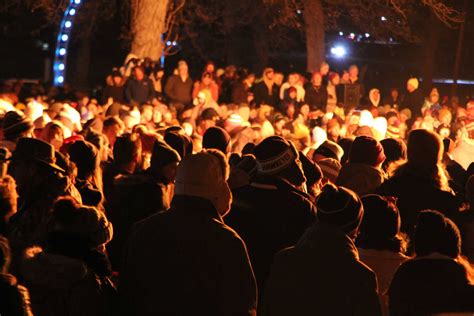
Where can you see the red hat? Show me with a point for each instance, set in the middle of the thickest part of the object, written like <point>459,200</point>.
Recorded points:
<point>366,150</point>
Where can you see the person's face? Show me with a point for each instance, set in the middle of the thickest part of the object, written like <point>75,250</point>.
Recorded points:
<point>434,98</point>
<point>290,111</point>
<point>293,79</point>
<point>393,121</point>
<point>394,94</point>
<point>410,88</point>
<point>139,74</point>
<point>345,76</point>
<point>188,129</point>
<point>117,80</point>
<point>160,74</point>
<point>317,80</point>
<point>292,94</point>
<point>183,70</point>
<point>269,75</point>
<point>206,80</point>
<point>376,95</point>
<point>324,69</point>
<point>147,114</point>
<point>210,68</point>
<point>304,110</point>
<point>112,133</point>
<point>56,138</point>
<point>157,116</point>
<point>353,71</point>
<point>334,131</point>
<point>279,125</point>
<point>336,80</point>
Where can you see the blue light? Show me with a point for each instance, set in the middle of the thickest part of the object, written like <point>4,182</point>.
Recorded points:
<point>64,37</point>
<point>60,79</point>
<point>72,12</point>
<point>62,51</point>
<point>68,24</point>
<point>168,43</point>
<point>61,67</point>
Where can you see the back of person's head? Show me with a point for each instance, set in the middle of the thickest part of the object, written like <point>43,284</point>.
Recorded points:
<point>127,148</point>
<point>86,158</point>
<point>394,149</point>
<point>112,121</point>
<point>346,144</point>
<point>341,208</point>
<point>8,197</point>
<point>5,255</point>
<point>163,155</point>
<point>205,175</point>
<point>434,233</point>
<point>87,224</point>
<point>312,173</point>
<point>329,149</point>
<point>216,138</point>
<point>380,228</point>
<point>366,150</point>
<point>424,148</point>
<point>179,142</point>
<point>278,157</point>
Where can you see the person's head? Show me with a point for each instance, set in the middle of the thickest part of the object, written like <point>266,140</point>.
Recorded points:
<point>16,125</point>
<point>367,150</point>
<point>5,255</point>
<point>208,118</point>
<point>434,96</point>
<point>117,78</point>
<point>304,110</point>
<point>394,150</point>
<point>86,158</point>
<point>182,68</point>
<point>146,113</point>
<point>139,73</point>
<point>353,71</point>
<point>101,142</point>
<point>293,78</point>
<point>206,78</point>
<point>374,94</point>
<point>313,175</point>
<point>8,198</point>
<point>205,175</point>
<point>324,68</point>
<point>412,84</point>
<point>292,93</point>
<point>290,110</point>
<point>87,226</point>
<point>113,127</point>
<point>328,149</point>
<point>216,138</point>
<point>333,128</point>
<point>179,142</point>
<point>424,148</point>
<point>334,78</point>
<point>164,161</point>
<point>277,157</point>
<point>316,79</point>
<point>435,233</point>
<point>268,73</point>
<point>210,67</point>
<point>128,150</point>
<point>279,122</point>
<point>345,76</point>
<point>341,208</point>
<point>380,228</point>
<point>394,93</point>
<point>53,133</point>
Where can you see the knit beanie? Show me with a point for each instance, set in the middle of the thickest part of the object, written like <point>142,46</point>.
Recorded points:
<point>87,222</point>
<point>424,148</point>
<point>311,170</point>
<point>366,150</point>
<point>330,149</point>
<point>163,154</point>
<point>14,124</point>
<point>217,138</point>
<point>179,142</point>
<point>274,154</point>
<point>339,207</point>
<point>330,168</point>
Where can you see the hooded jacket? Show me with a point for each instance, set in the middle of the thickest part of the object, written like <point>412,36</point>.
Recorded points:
<point>321,275</point>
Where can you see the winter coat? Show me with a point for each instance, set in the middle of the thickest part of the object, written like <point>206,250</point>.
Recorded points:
<point>316,97</point>
<point>360,178</point>
<point>240,92</point>
<point>321,275</point>
<point>384,263</point>
<point>270,215</point>
<point>14,298</point>
<point>414,101</point>
<point>139,92</point>
<point>262,95</point>
<point>134,198</point>
<point>61,285</point>
<point>416,194</point>
<point>186,261</point>
<point>178,91</point>
<point>431,284</point>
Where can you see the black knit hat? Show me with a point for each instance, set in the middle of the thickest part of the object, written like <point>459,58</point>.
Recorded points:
<point>339,207</point>
<point>217,138</point>
<point>163,154</point>
<point>274,154</point>
<point>311,170</point>
<point>14,124</point>
<point>179,142</point>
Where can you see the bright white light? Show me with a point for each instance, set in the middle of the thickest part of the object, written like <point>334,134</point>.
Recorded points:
<point>64,37</point>
<point>367,35</point>
<point>341,33</point>
<point>174,43</point>
<point>68,24</point>
<point>352,35</point>
<point>72,12</point>
<point>60,79</point>
<point>168,43</point>
<point>77,1</point>
<point>382,18</point>
<point>62,51</point>
<point>338,51</point>
<point>298,11</point>
<point>61,66</point>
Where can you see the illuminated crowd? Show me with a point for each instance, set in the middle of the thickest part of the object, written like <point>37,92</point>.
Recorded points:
<point>235,194</point>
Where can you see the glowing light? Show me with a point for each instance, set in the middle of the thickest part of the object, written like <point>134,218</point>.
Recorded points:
<point>174,43</point>
<point>168,43</point>
<point>367,35</point>
<point>61,67</point>
<point>352,36</point>
<point>77,1</point>
<point>341,33</point>
<point>62,51</point>
<point>382,18</point>
<point>64,37</point>
<point>72,12</point>
<point>298,11</point>
<point>68,24</point>
<point>339,51</point>
<point>60,79</point>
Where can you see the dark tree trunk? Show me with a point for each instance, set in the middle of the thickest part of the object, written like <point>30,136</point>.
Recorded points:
<point>313,16</point>
<point>430,46</point>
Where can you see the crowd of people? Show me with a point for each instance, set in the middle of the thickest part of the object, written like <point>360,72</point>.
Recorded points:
<point>232,195</point>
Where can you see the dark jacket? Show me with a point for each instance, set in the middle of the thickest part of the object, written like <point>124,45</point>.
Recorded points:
<point>414,101</point>
<point>262,95</point>
<point>186,261</point>
<point>134,198</point>
<point>321,275</point>
<point>240,92</point>
<point>115,92</point>
<point>139,92</point>
<point>316,97</point>
<point>14,298</point>
<point>416,194</point>
<point>178,91</point>
<point>427,285</point>
<point>270,215</point>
